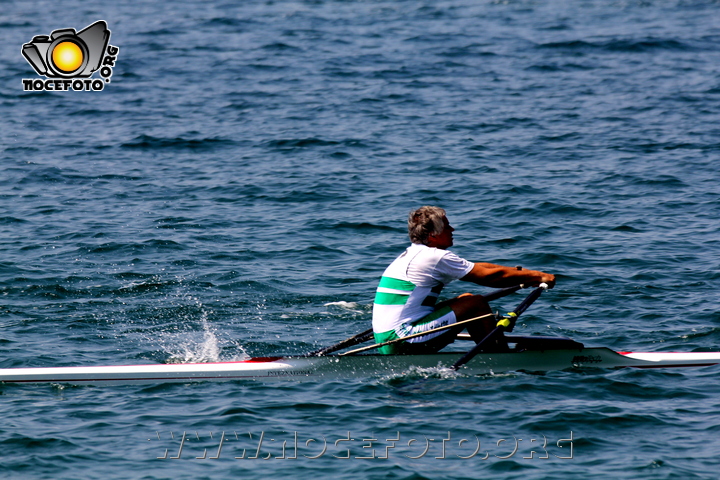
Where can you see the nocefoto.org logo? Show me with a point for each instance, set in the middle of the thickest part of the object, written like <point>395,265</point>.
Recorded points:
<point>68,59</point>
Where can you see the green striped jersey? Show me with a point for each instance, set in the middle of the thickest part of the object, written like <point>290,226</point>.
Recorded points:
<point>411,285</point>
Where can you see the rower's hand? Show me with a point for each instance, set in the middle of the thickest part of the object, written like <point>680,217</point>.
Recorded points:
<point>549,279</point>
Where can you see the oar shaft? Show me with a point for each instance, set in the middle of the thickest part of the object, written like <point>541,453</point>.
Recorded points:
<point>529,300</point>
<point>477,348</point>
<point>503,292</point>
<point>349,342</point>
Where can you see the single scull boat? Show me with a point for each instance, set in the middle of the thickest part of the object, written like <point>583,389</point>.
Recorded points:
<point>496,353</point>
<point>533,354</point>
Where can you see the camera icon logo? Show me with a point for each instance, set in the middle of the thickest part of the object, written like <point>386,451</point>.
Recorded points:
<point>67,53</point>
<point>68,59</point>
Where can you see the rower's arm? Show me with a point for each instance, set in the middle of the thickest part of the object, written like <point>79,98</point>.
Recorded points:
<point>498,276</point>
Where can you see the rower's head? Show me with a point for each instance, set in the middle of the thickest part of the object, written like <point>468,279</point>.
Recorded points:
<point>430,226</point>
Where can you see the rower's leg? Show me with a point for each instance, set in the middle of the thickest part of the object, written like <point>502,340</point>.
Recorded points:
<point>464,307</point>
<point>470,306</point>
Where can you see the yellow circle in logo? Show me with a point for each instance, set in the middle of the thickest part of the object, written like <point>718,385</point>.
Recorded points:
<point>67,56</point>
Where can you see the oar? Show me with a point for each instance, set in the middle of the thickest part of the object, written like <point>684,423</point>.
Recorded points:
<point>368,334</point>
<point>506,324</point>
<point>348,342</point>
<point>503,292</point>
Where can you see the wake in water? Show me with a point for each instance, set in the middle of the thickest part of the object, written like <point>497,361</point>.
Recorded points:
<point>414,374</point>
<point>343,306</point>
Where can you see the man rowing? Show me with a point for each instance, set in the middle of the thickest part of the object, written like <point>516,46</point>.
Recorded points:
<point>406,299</point>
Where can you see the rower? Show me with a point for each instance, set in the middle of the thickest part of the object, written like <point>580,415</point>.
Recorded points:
<point>406,298</point>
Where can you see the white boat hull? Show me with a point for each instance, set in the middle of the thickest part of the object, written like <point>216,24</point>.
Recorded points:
<point>358,366</point>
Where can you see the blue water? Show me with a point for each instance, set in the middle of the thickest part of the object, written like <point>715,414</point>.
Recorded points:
<point>240,184</point>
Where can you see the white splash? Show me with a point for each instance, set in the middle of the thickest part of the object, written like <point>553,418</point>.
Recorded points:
<point>206,350</point>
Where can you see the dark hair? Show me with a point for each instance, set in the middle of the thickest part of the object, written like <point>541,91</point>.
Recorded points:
<point>425,221</point>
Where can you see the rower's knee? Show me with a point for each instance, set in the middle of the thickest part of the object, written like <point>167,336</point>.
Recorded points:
<point>466,307</point>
